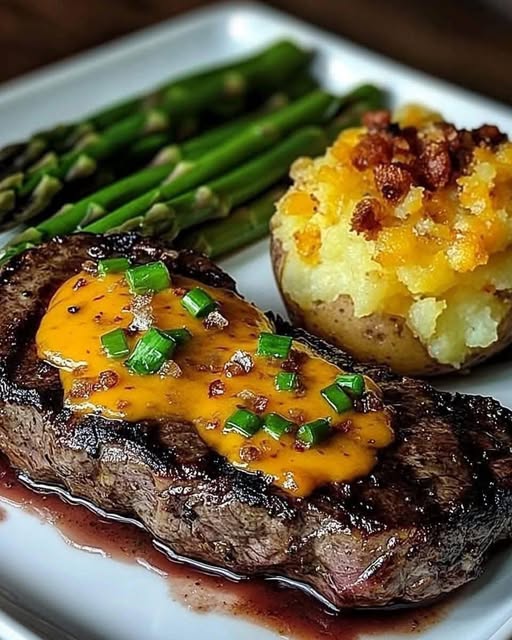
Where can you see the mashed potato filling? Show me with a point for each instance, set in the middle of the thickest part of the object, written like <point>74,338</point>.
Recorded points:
<point>412,219</point>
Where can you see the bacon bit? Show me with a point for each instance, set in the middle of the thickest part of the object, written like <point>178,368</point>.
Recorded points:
<point>89,266</point>
<point>82,387</point>
<point>249,453</point>
<point>299,446</point>
<point>366,219</point>
<point>377,120</point>
<point>239,364</point>
<point>294,361</point>
<point>107,379</point>
<point>81,282</point>
<point>393,181</point>
<point>253,401</point>
<point>461,151</point>
<point>372,149</point>
<point>368,402</point>
<point>170,369</point>
<point>449,133</point>
<point>434,157</point>
<point>215,321</point>
<point>179,291</point>
<point>213,424</point>
<point>244,359</point>
<point>216,388</point>
<point>98,318</point>
<point>488,135</point>
<point>142,311</point>
<point>344,426</point>
<point>73,309</point>
<point>213,366</point>
<point>403,151</point>
<point>122,404</point>
<point>233,369</point>
<point>260,404</point>
<point>297,415</point>
<point>435,165</point>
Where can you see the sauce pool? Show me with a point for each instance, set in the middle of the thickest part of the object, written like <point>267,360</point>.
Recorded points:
<point>287,612</point>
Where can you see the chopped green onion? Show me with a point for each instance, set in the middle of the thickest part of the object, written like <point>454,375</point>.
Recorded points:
<point>148,278</point>
<point>276,426</point>
<point>180,336</point>
<point>312,433</point>
<point>113,265</point>
<point>244,422</point>
<point>286,381</point>
<point>150,352</point>
<point>198,303</point>
<point>353,382</point>
<point>114,344</point>
<point>272,345</point>
<point>337,398</point>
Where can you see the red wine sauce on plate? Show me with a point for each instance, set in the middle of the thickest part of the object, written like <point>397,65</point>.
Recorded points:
<point>285,611</point>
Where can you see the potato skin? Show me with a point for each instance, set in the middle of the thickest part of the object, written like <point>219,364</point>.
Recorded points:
<point>379,338</point>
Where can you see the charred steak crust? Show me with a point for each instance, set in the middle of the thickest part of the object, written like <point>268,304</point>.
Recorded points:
<point>420,525</point>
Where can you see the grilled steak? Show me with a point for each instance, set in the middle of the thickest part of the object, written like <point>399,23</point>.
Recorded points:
<point>420,525</point>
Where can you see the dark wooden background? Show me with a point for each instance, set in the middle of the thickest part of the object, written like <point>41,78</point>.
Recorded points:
<point>466,41</point>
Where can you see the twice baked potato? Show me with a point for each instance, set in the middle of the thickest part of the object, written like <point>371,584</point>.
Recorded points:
<point>396,245</point>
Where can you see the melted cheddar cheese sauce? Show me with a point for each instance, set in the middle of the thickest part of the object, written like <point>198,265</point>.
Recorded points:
<point>86,307</point>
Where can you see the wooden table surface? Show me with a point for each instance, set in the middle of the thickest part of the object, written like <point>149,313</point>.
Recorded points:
<point>466,41</point>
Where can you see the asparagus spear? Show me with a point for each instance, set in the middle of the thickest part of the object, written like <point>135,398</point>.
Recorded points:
<point>217,198</point>
<point>84,212</point>
<point>21,156</point>
<point>114,195</point>
<point>250,222</point>
<point>213,200</point>
<point>62,137</point>
<point>313,108</point>
<point>142,151</point>
<point>265,71</point>
<point>245,225</point>
<point>356,103</point>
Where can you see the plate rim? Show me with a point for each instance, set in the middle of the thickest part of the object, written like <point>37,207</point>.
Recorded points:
<point>55,73</point>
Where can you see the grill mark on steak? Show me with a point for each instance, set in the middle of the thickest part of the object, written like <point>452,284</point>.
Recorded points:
<point>419,525</point>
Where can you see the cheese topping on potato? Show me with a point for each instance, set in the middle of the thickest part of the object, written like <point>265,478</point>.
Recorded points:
<point>411,218</point>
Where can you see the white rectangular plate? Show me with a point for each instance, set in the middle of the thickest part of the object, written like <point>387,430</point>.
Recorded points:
<point>94,597</point>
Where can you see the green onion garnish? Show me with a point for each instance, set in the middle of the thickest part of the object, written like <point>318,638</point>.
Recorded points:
<point>352,382</point>
<point>244,422</point>
<point>148,278</point>
<point>180,336</point>
<point>198,303</point>
<point>150,352</point>
<point>312,433</point>
<point>114,344</point>
<point>272,345</point>
<point>337,398</point>
<point>113,265</point>
<point>286,381</point>
<point>276,426</point>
